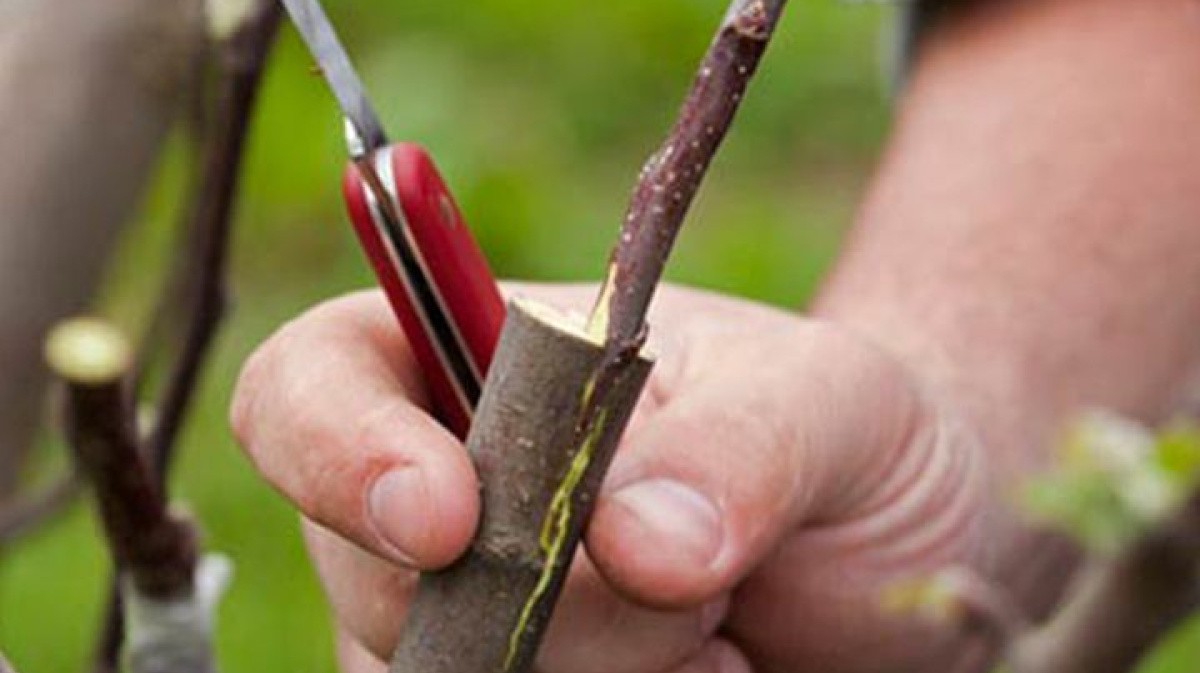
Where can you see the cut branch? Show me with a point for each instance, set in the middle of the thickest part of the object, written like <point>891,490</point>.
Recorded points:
<point>557,400</point>
<point>551,415</point>
<point>671,177</point>
<point>30,512</point>
<point>156,550</point>
<point>198,293</point>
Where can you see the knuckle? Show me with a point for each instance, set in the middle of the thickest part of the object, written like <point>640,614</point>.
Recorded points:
<point>248,390</point>
<point>339,461</point>
<point>261,377</point>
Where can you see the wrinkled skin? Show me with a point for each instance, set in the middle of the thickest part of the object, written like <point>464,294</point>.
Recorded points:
<point>777,474</point>
<point>1026,249</point>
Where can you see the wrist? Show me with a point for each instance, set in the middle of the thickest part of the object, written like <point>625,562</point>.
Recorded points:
<point>988,381</point>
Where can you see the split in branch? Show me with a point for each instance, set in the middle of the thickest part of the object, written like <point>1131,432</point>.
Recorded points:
<point>240,58</point>
<point>558,396</point>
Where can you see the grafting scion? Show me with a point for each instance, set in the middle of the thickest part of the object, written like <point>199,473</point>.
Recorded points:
<point>558,397</point>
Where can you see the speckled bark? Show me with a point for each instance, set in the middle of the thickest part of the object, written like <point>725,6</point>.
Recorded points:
<point>553,409</point>
<point>672,176</point>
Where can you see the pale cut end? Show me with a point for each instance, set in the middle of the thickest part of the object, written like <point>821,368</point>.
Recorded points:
<point>570,322</point>
<point>225,17</point>
<point>88,350</point>
<point>567,322</point>
<point>597,323</point>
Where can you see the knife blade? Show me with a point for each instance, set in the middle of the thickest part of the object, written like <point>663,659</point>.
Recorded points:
<point>431,269</point>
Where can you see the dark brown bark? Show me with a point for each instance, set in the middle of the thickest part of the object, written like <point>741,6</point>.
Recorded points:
<point>89,90</point>
<point>106,652</point>
<point>155,549</point>
<point>672,176</point>
<point>1123,605</point>
<point>553,409</point>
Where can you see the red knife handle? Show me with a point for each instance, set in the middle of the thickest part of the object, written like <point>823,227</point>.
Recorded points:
<point>432,259</point>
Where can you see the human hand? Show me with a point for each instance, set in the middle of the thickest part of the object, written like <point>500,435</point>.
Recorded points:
<point>777,474</point>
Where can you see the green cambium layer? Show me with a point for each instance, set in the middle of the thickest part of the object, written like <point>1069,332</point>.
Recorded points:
<point>556,524</point>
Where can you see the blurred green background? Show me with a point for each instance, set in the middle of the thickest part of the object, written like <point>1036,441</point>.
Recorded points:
<point>540,115</point>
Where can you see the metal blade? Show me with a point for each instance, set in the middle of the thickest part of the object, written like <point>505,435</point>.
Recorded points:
<point>314,27</point>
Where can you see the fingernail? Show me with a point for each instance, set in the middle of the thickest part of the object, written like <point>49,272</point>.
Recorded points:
<point>674,517</point>
<point>396,506</point>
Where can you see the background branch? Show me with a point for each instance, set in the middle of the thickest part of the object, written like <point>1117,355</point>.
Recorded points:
<point>98,85</point>
<point>198,292</point>
<point>203,261</point>
<point>1119,608</point>
<point>1122,605</point>
<point>989,611</point>
<point>156,550</point>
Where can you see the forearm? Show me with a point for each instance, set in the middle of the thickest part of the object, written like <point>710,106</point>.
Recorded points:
<point>1033,235</point>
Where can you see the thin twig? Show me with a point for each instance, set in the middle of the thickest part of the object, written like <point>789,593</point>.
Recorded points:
<point>106,652</point>
<point>671,177</point>
<point>205,258</point>
<point>167,320</point>
<point>489,611</point>
<point>29,512</point>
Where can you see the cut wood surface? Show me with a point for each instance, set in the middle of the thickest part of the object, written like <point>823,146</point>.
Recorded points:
<point>552,412</point>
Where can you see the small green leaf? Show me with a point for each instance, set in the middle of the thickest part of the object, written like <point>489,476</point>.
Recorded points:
<point>1177,450</point>
<point>1114,478</point>
<point>226,16</point>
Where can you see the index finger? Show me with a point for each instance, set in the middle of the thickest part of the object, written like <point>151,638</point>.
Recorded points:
<point>331,411</point>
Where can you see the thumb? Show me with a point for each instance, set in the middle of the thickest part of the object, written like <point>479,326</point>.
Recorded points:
<point>795,427</point>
